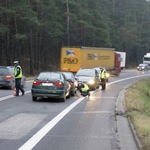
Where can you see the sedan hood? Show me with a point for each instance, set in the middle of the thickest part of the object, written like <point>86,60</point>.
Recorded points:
<point>84,78</point>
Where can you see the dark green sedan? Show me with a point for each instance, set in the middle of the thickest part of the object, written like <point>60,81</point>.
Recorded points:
<point>51,85</point>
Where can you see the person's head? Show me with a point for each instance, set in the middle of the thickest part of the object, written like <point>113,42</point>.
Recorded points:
<point>16,63</point>
<point>101,69</point>
<point>81,85</point>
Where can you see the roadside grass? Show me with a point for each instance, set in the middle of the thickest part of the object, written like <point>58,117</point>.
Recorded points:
<point>137,99</point>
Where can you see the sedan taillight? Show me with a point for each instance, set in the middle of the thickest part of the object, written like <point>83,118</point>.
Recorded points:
<point>36,83</point>
<point>8,77</point>
<point>58,84</point>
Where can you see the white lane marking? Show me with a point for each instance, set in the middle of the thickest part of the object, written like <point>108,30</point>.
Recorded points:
<point>127,79</point>
<point>11,96</point>
<point>101,97</point>
<point>42,132</point>
<point>96,112</point>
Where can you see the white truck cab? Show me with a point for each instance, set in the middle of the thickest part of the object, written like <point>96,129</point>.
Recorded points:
<point>146,59</point>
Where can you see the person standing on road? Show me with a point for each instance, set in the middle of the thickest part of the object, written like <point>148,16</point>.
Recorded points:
<point>18,76</point>
<point>102,77</point>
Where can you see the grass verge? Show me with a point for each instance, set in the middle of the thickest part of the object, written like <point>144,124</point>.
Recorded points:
<point>137,99</point>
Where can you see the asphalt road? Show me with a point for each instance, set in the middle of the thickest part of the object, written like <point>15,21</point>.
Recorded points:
<point>78,124</point>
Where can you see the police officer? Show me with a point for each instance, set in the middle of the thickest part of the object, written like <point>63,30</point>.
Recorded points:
<point>18,76</point>
<point>84,89</point>
<point>102,77</point>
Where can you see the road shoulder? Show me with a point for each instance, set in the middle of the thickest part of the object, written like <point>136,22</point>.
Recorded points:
<point>127,138</point>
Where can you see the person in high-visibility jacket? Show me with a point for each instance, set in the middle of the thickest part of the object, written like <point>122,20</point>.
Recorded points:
<point>84,89</point>
<point>102,77</point>
<point>18,76</point>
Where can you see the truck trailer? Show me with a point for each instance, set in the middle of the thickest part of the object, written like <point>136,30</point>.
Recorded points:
<point>122,59</point>
<point>74,58</point>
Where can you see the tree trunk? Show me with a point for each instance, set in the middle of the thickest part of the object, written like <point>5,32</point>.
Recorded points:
<point>68,36</point>
<point>31,53</point>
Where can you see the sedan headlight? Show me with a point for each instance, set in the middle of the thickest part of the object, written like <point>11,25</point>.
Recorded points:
<point>91,82</point>
<point>76,83</point>
<point>107,75</point>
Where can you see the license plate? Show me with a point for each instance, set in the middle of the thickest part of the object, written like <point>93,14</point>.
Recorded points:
<point>47,84</point>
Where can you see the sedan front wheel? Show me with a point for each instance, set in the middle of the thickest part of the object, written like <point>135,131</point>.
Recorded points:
<point>64,98</point>
<point>34,98</point>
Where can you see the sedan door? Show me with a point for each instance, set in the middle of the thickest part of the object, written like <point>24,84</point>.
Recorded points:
<point>67,85</point>
<point>97,78</point>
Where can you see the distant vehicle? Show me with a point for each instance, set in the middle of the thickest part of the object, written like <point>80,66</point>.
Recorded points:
<point>7,78</point>
<point>144,67</point>
<point>73,82</point>
<point>89,77</point>
<point>74,58</point>
<point>146,59</point>
<point>51,85</point>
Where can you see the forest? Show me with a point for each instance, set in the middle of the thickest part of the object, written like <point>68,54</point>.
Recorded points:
<point>33,31</point>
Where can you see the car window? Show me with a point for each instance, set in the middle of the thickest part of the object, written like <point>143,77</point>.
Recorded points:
<point>98,70</point>
<point>11,70</point>
<point>68,75</point>
<point>86,72</point>
<point>64,76</point>
<point>3,71</point>
<point>49,76</point>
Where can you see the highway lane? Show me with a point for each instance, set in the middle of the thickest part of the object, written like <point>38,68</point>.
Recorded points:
<point>79,123</point>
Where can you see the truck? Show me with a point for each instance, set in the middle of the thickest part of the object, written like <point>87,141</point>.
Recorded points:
<point>74,58</point>
<point>146,59</point>
<point>122,59</point>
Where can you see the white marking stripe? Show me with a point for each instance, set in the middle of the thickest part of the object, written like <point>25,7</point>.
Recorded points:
<point>96,112</point>
<point>10,96</point>
<point>101,97</point>
<point>41,133</point>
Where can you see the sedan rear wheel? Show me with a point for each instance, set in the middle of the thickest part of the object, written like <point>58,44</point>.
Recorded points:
<point>12,86</point>
<point>34,98</point>
<point>64,98</point>
<point>73,92</point>
<point>69,95</point>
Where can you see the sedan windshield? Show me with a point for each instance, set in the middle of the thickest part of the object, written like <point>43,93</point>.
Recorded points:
<point>89,73</point>
<point>142,65</point>
<point>49,76</point>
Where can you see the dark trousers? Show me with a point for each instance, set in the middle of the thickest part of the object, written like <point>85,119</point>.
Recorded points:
<point>84,93</point>
<point>103,83</point>
<point>18,86</point>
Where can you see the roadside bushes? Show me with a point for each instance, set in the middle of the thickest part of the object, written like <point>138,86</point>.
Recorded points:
<point>137,99</point>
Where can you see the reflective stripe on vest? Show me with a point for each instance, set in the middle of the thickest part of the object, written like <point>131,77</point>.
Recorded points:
<point>85,88</point>
<point>15,72</point>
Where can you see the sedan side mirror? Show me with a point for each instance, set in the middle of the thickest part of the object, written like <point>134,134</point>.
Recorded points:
<point>69,80</point>
<point>76,78</point>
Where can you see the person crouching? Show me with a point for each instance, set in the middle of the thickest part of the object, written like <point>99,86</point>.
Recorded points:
<point>83,89</point>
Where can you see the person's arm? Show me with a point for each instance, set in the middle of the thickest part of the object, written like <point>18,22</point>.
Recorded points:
<point>18,71</point>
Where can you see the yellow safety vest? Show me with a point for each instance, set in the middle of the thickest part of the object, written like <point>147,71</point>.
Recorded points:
<point>102,74</point>
<point>85,88</point>
<point>15,72</point>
